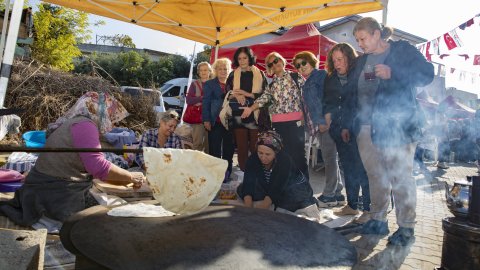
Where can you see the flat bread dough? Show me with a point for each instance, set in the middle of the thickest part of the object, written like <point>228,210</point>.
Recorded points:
<point>183,181</point>
<point>140,210</point>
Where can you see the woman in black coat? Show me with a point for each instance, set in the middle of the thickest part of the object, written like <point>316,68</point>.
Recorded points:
<point>272,180</point>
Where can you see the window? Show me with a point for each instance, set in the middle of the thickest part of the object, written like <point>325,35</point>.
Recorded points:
<point>173,92</point>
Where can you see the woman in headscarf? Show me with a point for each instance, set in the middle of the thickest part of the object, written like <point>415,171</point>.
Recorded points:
<point>58,185</point>
<point>161,137</point>
<point>247,83</point>
<point>272,180</point>
<point>388,122</point>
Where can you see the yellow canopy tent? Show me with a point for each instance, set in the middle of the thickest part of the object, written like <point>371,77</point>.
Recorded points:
<point>220,22</point>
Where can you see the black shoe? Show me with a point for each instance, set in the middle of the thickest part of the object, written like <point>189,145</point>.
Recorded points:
<point>340,199</point>
<point>402,237</point>
<point>375,227</point>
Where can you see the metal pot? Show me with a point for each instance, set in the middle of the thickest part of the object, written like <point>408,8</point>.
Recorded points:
<point>458,197</point>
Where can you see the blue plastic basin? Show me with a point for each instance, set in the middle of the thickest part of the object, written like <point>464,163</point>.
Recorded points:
<point>36,138</point>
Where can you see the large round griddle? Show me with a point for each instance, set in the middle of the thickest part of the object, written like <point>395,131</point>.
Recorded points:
<point>219,237</point>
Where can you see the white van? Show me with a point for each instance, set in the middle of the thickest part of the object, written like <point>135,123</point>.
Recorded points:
<point>174,92</point>
<point>136,91</point>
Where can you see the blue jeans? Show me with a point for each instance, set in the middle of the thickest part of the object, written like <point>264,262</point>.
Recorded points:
<point>354,173</point>
<point>220,144</point>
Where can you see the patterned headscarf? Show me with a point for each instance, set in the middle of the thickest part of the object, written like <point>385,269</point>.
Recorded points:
<point>271,139</point>
<point>102,108</point>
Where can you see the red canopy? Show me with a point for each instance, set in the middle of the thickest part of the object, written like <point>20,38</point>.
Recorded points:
<point>299,38</point>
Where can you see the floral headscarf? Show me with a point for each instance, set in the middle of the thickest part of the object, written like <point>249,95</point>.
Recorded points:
<point>271,139</point>
<point>102,108</point>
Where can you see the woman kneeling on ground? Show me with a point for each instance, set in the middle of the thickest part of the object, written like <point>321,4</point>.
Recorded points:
<point>58,186</point>
<point>273,181</point>
<point>161,137</point>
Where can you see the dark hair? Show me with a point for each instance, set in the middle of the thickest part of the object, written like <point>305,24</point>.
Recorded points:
<point>251,57</point>
<point>369,24</point>
<point>308,56</point>
<point>347,50</point>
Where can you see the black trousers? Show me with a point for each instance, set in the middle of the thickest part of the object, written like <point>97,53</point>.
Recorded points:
<point>220,144</point>
<point>293,138</point>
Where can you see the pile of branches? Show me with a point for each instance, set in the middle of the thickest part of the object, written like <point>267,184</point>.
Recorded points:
<point>46,94</point>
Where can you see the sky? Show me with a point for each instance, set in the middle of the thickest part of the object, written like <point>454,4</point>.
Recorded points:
<point>424,18</point>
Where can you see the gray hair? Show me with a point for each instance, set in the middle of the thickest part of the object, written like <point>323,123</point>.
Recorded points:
<point>169,115</point>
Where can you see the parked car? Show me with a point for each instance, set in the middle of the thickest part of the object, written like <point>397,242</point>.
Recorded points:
<point>159,106</point>
<point>174,92</point>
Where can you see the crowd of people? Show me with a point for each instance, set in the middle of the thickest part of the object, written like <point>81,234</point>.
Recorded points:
<point>362,109</point>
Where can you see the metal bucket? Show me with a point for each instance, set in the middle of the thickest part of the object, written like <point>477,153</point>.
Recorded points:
<point>461,245</point>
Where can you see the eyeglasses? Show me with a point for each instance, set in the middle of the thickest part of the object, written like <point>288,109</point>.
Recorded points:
<point>274,62</point>
<point>303,63</point>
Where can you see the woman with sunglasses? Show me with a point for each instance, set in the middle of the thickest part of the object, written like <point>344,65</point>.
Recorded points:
<point>220,140</point>
<point>340,61</point>
<point>246,83</point>
<point>161,137</point>
<point>283,97</point>
<point>307,65</point>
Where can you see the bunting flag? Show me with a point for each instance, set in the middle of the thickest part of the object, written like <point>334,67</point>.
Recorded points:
<point>476,60</point>
<point>435,46</point>
<point>451,39</point>
<point>466,24</point>
<point>428,55</point>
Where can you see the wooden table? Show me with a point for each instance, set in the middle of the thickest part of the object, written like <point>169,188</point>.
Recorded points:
<point>219,237</point>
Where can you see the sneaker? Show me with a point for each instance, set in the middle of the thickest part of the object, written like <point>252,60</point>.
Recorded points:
<point>442,165</point>
<point>402,237</point>
<point>326,201</point>
<point>363,218</point>
<point>375,227</point>
<point>340,200</point>
<point>346,211</point>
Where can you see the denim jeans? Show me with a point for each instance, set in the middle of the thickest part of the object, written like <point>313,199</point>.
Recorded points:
<point>220,144</point>
<point>354,173</point>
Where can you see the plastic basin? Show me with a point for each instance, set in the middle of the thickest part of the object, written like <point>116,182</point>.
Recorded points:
<point>36,138</point>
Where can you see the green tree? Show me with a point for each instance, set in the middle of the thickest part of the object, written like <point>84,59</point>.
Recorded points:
<point>57,31</point>
<point>122,41</point>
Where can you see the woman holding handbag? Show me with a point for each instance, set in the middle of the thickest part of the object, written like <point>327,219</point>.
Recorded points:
<point>220,140</point>
<point>246,83</point>
<point>193,113</point>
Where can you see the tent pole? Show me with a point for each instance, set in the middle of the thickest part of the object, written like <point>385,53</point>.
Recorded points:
<point>190,77</point>
<point>384,12</point>
<point>216,53</point>
<point>10,48</point>
<point>4,29</point>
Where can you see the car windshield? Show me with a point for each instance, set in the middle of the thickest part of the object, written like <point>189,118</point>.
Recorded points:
<point>165,87</point>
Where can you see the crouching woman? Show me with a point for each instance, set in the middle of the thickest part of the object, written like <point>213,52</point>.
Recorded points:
<point>272,181</point>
